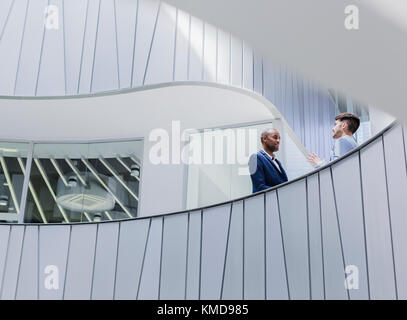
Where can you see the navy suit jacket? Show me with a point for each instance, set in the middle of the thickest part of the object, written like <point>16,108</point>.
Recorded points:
<point>264,173</point>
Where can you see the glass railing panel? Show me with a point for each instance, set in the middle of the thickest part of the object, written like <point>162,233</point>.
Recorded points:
<point>12,170</point>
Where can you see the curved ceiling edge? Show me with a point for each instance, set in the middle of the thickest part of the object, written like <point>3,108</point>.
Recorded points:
<point>40,118</point>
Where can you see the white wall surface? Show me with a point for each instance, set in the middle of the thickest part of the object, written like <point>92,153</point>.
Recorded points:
<point>133,115</point>
<point>379,120</point>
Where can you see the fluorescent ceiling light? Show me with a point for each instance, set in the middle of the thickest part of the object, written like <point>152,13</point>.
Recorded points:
<point>8,150</point>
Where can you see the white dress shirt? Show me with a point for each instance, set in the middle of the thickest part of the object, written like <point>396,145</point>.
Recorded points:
<point>274,160</point>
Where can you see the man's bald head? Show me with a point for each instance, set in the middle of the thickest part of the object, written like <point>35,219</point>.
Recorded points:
<point>268,131</point>
<point>270,140</point>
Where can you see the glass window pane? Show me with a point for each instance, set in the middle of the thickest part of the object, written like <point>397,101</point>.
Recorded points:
<point>12,169</point>
<point>84,182</point>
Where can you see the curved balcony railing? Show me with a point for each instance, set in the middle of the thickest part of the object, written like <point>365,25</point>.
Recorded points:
<point>342,224</point>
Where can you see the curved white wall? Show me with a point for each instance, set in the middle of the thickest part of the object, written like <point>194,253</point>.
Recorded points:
<point>131,114</point>
<point>135,114</point>
<point>116,44</point>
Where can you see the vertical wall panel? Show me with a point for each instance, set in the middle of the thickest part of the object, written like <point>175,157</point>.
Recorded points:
<point>4,240</point>
<point>53,246</point>
<point>276,277</point>
<point>346,179</point>
<point>74,18</point>
<point>10,42</point>
<point>105,261</point>
<point>315,241</point>
<point>333,262</point>
<point>214,237</point>
<point>285,82</point>
<point>319,123</point>
<point>105,64</point>
<point>236,63</point>
<point>312,127</point>
<point>397,190</point>
<point>292,201</point>
<point>258,73</point>
<point>279,89</point>
<point>329,121</point>
<point>194,256</point>
<point>88,50</point>
<point>12,264</point>
<point>132,243</point>
<point>282,99</point>
<point>297,108</point>
<point>210,53</point>
<point>327,124</point>
<point>81,257</point>
<point>196,63</point>
<point>150,274</point>
<point>379,244</point>
<point>161,62</point>
<point>223,70</point>
<point>247,66</point>
<point>254,258</point>
<point>307,115</point>
<point>5,7</point>
<point>276,70</point>
<point>51,78</point>
<point>269,78</point>
<point>147,14</point>
<point>314,113</point>
<point>31,48</point>
<point>405,143</point>
<point>126,15</point>
<point>182,47</point>
<point>331,113</point>
<point>301,107</point>
<point>288,98</point>
<point>233,280</point>
<point>323,124</point>
<point>27,284</point>
<point>174,254</point>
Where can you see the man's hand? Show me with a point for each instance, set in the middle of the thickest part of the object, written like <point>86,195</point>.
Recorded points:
<point>314,159</point>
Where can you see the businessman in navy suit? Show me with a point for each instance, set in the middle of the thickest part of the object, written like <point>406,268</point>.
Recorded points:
<point>265,170</point>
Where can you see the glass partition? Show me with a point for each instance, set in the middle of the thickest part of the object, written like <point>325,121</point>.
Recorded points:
<point>84,182</point>
<point>221,172</point>
<point>218,168</point>
<point>12,170</point>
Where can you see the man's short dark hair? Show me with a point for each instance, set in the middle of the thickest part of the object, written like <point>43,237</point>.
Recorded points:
<point>351,119</point>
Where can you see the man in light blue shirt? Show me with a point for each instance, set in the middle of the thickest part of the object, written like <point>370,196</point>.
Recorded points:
<point>346,124</point>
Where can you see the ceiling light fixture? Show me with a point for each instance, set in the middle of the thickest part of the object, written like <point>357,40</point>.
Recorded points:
<point>135,171</point>
<point>92,199</point>
<point>72,181</point>
<point>8,150</point>
<point>97,217</point>
<point>3,200</point>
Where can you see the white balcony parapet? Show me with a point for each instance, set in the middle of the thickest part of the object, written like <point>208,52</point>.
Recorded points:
<point>336,233</point>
